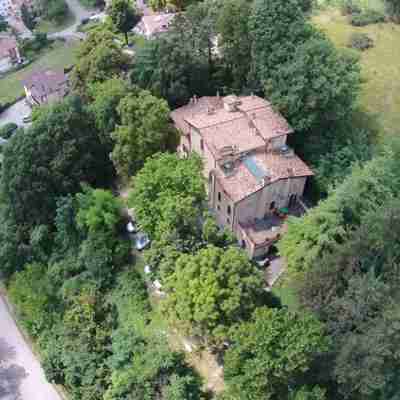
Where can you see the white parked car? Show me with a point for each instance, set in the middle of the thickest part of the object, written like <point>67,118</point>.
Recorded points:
<point>141,241</point>
<point>131,227</point>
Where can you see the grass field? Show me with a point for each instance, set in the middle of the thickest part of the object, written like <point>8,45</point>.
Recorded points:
<point>380,65</point>
<point>61,55</point>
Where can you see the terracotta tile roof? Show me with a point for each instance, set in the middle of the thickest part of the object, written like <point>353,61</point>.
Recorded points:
<point>46,82</point>
<point>210,111</point>
<point>200,106</point>
<point>237,133</point>
<point>7,46</point>
<point>242,182</point>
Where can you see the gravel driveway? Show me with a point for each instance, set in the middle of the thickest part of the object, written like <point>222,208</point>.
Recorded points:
<point>21,376</point>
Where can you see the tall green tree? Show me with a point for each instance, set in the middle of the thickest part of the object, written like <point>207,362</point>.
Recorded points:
<point>271,353</point>
<point>104,100</point>
<point>165,186</point>
<point>144,130</point>
<point>212,290</point>
<point>328,224</point>
<point>234,40</point>
<point>49,160</point>
<point>99,58</point>
<point>297,67</point>
<point>124,16</point>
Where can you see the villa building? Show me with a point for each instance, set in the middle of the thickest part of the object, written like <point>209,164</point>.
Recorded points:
<point>254,178</point>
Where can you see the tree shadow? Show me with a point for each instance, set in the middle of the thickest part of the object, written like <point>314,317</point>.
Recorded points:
<point>11,375</point>
<point>7,352</point>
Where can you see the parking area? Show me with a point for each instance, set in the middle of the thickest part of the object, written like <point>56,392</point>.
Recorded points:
<point>15,113</point>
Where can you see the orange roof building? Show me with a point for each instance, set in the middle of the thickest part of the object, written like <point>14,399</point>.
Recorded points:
<point>252,174</point>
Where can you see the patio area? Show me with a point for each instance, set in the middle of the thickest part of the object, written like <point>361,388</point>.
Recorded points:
<point>264,232</point>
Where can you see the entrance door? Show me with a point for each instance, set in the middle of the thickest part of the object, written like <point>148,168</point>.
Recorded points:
<point>292,200</point>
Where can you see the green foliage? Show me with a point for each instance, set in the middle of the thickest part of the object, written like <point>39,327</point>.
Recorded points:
<point>124,17</point>
<point>3,24</point>
<point>353,289</point>
<point>99,211</point>
<point>27,17</point>
<point>144,131</point>
<point>360,41</point>
<point>7,130</point>
<point>30,292</point>
<point>270,354</point>
<point>58,152</point>
<point>326,225</point>
<point>234,42</point>
<point>301,72</point>
<point>367,17</point>
<point>306,393</point>
<point>167,181</point>
<point>105,98</point>
<point>56,11</point>
<point>212,290</point>
<point>99,59</point>
<point>393,9</point>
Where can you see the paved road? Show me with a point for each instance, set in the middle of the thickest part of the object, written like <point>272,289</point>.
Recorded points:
<point>21,376</point>
<point>15,113</point>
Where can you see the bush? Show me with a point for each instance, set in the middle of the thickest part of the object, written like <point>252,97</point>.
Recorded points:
<point>360,41</point>
<point>7,130</point>
<point>350,7</point>
<point>367,17</point>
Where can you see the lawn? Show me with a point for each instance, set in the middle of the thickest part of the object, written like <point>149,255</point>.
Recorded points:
<point>61,55</point>
<point>380,65</point>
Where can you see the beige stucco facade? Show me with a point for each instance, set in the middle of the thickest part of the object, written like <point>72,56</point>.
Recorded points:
<point>252,177</point>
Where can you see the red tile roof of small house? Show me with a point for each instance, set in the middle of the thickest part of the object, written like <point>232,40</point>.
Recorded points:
<point>46,82</point>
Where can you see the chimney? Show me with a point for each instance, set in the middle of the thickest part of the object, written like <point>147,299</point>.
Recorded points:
<point>194,99</point>
<point>290,171</point>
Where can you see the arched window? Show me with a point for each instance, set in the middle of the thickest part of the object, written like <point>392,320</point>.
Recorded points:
<point>219,196</point>
<point>272,205</point>
<point>228,210</point>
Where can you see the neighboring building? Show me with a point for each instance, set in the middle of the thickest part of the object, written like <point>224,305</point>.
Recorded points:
<point>252,174</point>
<point>9,53</point>
<point>46,86</point>
<point>151,26</point>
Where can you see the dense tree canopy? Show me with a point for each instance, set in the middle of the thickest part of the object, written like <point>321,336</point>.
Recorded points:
<point>50,159</point>
<point>212,290</point>
<point>327,224</point>
<point>298,68</point>
<point>167,195</point>
<point>124,16</point>
<point>99,59</point>
<point>269,352</point>
<point>104,100</point>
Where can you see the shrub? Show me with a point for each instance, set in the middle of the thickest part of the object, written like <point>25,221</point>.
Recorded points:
<point>360,41</point>
<point>350,7</point>
<point>7,130</point>
<point>367,17</point>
